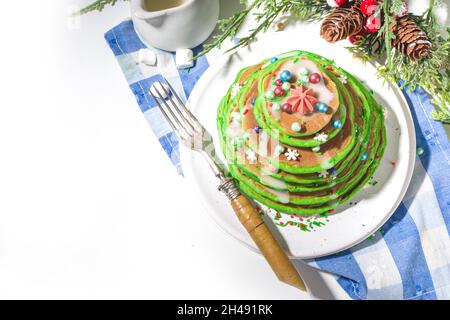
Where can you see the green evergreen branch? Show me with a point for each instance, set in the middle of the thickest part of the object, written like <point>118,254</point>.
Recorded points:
<point>98,5</point>
<point>431,73</point>
<point>265,12</point>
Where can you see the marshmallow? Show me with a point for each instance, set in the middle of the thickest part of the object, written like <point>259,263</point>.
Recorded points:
<point>159,86</point>
<point>184,59</point>
<point>147,56</point>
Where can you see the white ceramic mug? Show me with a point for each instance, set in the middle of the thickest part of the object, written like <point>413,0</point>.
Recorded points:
<point>175,24</point>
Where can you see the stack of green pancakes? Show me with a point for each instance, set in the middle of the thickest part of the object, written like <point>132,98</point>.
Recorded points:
<point>300,134</point>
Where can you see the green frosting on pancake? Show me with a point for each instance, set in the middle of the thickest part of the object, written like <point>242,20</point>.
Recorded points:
<point>329,156</point>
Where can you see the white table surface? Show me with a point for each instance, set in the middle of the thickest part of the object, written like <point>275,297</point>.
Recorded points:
<point>86,189</point>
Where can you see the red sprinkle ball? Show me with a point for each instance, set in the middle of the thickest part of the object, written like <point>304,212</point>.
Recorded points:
<point>315,78</point>
<point>287,107</point>
<point>279,92</point>
<point>341,3</point>
<point>337,3</point>
<point>279,82</point>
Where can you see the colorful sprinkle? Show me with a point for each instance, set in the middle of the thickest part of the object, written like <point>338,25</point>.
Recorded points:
<point>279,82</point>
<point>274,59</point>
<point>296,127</point>
<point>287,107</point>
<point>322,107</point>
<point>292,154</point>
<point>332,171</point>
<point>286,86</point>
<point>321,137</point>
<point>337,124</point>
<point>323,174</point>
<point>286,75</point>
<point>315,78</point>
<point>270,94</point>
<point>279,149</point>
<point>303,79</point>
<point>302,71</point>
<point>279,92</point>
<point>364,156</point>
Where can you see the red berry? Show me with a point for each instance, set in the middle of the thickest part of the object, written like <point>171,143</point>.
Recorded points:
<point>373,24</point>
<point>279,92</point>
<point>314,78</point>
<point>279,82</point>
<point>287,107</point>
<point>368,7</point>
<point>337,3</point>
<point>341,3</point>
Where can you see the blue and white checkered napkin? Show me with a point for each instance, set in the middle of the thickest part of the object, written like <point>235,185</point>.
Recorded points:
<point>409,258</point>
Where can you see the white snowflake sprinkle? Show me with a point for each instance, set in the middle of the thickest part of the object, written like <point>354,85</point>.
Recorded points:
<point>251,156</point>
<point>292,154</point>
<point>323,174</point>
<point>235,90</point>
<point>343,79</point>
<point>321,137</point>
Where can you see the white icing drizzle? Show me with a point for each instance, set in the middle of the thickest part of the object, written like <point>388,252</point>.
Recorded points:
<point>282,196</point>
<point>263,143</point>
<point>234,129</point>
<point>327,162</point>
<point>273,182</point>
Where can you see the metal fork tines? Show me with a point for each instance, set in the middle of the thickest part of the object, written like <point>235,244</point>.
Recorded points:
<point>188,129</point>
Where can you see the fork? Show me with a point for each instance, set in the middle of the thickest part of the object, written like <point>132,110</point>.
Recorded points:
<point>194,136</point>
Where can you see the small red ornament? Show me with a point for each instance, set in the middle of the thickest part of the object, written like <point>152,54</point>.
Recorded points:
<point>337,3</point>
<point>341,3</point>
<point>314,78</point>
<point>287,107</point>
<point>368,7</point>
<point>279,82</point>
<point>279,92</point>
<point>373,24</point>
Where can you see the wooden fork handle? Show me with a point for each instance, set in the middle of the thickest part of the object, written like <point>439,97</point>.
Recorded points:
<point>266,242</point>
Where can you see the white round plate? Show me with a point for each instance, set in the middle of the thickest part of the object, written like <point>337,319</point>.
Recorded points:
<point>350,223</point>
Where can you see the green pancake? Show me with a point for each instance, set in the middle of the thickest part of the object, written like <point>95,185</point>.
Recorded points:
<point>300,144</point>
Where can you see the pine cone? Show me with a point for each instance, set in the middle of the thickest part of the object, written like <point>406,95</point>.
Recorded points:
<point>410,39</point>
<point>342,23</point>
